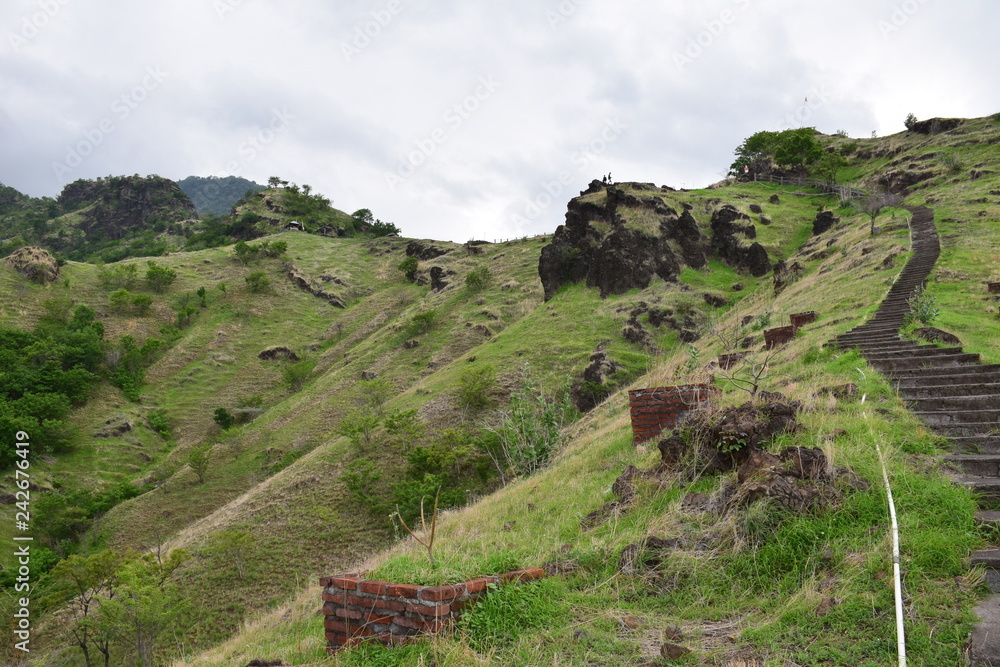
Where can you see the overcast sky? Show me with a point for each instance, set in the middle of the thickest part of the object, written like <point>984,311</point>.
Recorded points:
<point>460,120</point>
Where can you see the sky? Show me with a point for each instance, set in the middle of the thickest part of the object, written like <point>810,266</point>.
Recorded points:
<point>460,120</point>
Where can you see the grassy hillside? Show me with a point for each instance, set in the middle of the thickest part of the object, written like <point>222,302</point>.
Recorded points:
<point>758,584</point>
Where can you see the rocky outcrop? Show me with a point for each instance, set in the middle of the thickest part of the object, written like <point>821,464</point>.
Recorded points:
<point>727,227</point>
<point>122,205</point>
<point>597,382</point>
<point>306,285</point>
<point>824,221</point>
<point>423,251</point>
<point>935,125</point>
<point>36,264</point>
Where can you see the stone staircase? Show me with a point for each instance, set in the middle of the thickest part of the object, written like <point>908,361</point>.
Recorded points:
<point>954,395</point>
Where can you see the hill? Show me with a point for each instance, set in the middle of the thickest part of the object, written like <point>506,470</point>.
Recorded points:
<point>213,195</point>
<point>643,286</point>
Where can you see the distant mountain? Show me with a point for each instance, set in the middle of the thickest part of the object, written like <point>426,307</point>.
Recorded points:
<point>216,196</point>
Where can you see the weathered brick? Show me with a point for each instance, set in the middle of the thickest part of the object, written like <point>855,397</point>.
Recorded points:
<point>335,626</point>
<point>374,587</point>
<point>340,596</point>
<point>346,583</point>
<point>372,617</point>
<point>367,603</point>
<point>479,585</point>
<point>436,626</point>
<point>404,590</point>
<point>349,613</point>
<point>407,622</point>
<point>426,610</point>
<point>439,593</point>
<point>393,605</point>
<point>329,608</point>
<point>527,574</point>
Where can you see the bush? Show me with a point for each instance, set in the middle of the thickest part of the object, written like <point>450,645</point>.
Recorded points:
<point>158,422</point>
<point>199,458</point>
<point>257,282</point>
<point>123,276</point>
<point>295,375</point>
<point>224,419</point>
<point>420,323</point>
<point>120,299</point>
<point>910,121</point>
<point>923,308</point>
<point>409,268</point>
<point>475,386</point>
<point>142,303</point>
<point>479,279</point>
<point>159,277</point>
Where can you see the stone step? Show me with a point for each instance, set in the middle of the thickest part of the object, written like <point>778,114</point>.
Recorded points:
<point>976,444</point>
<point>975,465</point>
<point>988,518</point>
<point>919,352</point>
<point>949,390</point>
<point>987,490</point>
<point>918,364</point>
<point>957,430</point>
<point>955,403</point>
<point>962,374</point>
<point>948,419</point>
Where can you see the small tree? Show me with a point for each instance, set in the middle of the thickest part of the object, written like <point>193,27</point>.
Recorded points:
<point>910,121</point>
<point>224,419</point>
<point>199,459</point>
<point>159,277</point>
<point>142,303</point>
<point>474,387</point>
<point>409,268</point>
<point>479,279</point>
<point>875,201</point>
<point>120,299</point>
<point>257,282</point>
<point>359,427</point>
<point>202,294</point>
<point>234,544</point>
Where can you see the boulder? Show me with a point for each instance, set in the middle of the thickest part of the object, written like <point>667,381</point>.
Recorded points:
<point>595,384</point>
<point>438,282</point>
<point>36,264</point>
<point>277,352</point>
<point>424,251</point>
<point>824,221</point>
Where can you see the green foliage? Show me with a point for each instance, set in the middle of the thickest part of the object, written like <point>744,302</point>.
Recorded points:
<point>234,545</point>
<point>923,307</point>
<point>379,229</point>
<point>62,516</point>
<point>119,300</point>
<point>257,282</point>
<point>789,148</point>
<point>500,619</point>
<point>224,419</point>
<point>475,386</point>
<point>950,161</point>
<point>127,363</point>
<point>141,303</point>
<point>829,165</point>
<point>295,375</point>
<point>122,276</point>
<point>479,279</point>
<point>910,121</point>
<point>200,458</point>
<point>202,295</point>
<point>531,430</point>
<point>359,426</point>
<point>409,268</point>
<point>159,277</point>
<point>248,254</point>
<point>403,430</point>
<point>420,323</point>
<point>159,423</point>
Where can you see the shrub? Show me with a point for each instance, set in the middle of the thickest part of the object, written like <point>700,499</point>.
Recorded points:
<point>120,299</point>
<point>295,375</point>
<point>474,387</point>
<point>479,279</point>
<point>123,276</point>
<point>409,268</point>
<point>420,323</point>
<point>199,459</point>
<point>158,422</point>
<point>224,419</point>
<point>142,303</point>
<point>923,307</point>
<point>159,277</point>
<point>257,282</point>
<point>910,121</point>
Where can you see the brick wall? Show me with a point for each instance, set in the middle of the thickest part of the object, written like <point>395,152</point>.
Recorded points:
<point>727,361</point>
<point>778,336</point>
<point>802,319</point>
<point>356,608</point>
<point>660,408</point>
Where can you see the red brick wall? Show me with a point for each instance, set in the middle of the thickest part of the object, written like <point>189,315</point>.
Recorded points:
<point>778,336</point>
<point>727,361</point>
<point>356,608</point>
<point>660,408</point>
<point>802,319</point>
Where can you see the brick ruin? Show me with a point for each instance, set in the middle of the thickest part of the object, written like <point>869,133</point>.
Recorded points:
<point>778,336</point>
<point>799,320</point>
<point>661,408</point>
<point>358,609</point>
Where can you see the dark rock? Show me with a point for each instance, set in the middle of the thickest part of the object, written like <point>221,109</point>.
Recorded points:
<point>901,181</point>
<point>277,352</point>
<point>672,651</point>
<point>673,633</point>
<point>738,287</point>
<point>595,384</point>
<point>824,221</point>
<point>888,263</point>
<point>265,663</point>
<point>935,125</point>
<point>368,375</point>
<point>755,463</point>
<point>765,220</point>
<point>730,249</point>
<point>305,285</point>
<point>115,427</point>
<point>785,275</point>
<point>410,344</point>
<point>747,319</point>
<point>7,498</point>
<point>774,199</point>
<point>438,282</point>
<point>807,463</point>
<point>715,300</point>
<point>934,335</point>
<point>424,252</point>
<point>624,486</point>
<point>755,208</point>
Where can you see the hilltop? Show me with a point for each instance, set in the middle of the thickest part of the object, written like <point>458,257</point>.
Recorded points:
<point>643,286</point>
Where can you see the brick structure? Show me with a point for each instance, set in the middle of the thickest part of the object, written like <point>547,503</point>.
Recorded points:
<point>727,361</point>
<point>356,608</point>
<point>993,288</point>
<point>661,408</point>
<point>799,320</point>
<point>778,336</point>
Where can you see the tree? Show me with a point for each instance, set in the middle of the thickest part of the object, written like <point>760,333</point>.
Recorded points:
<point>474,387</point>
<point>910,121</point>
<point>142,303</point>
<point>257,282</point>
<point>797,149</point>
<point>479,279</point>
<point>379,228</point>
<point>120,299</point>
<point>875,201</point>
<point>829,164</point>
<point>199,459</point>
<point>233,544</point>
<point>371,395</point>
<point>159,277</point>
<point>273,181</point>
<point>201,296</point>
<point>224,419</point>
<point>359,427</point>
<point>409,268</point>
